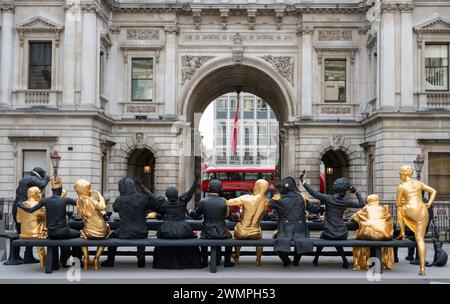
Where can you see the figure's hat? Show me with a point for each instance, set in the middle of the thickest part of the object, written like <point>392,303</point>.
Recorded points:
<point>288,183</point>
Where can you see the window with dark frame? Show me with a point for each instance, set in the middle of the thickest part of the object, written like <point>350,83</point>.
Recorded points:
<point>142,79</point>
<point>436,67</point>
<point>40,66</point>
<point>335,80</point>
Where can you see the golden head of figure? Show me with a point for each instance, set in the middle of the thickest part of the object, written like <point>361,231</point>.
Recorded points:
<point>373,199</point>
<point>261,187</point>
<point>82,187</point>
<point>405,172</point>
<point>34,193</point>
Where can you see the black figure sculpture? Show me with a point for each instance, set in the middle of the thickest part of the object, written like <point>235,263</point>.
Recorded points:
<point>292,226</point>
<point>214,210</point>
<point>173,209</point>
<point>56,219</point>
<point>336,204</point>
<point>133,208</point>
<point>37,178</point>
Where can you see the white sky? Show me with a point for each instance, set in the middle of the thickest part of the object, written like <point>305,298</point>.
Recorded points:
<point>206,126</point>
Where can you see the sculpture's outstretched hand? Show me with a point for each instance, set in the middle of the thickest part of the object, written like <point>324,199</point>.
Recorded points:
<point>302,175</point>
<point>353,189</point>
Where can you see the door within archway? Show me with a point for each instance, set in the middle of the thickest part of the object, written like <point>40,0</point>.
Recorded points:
<point>141,166</point>
<point>336,166</point>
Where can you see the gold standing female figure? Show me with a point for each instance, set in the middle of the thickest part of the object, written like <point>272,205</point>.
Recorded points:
<point>91,207</point>
<point>412,211</point>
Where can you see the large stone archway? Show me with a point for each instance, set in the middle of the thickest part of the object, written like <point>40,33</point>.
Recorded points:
<point>223,76</point>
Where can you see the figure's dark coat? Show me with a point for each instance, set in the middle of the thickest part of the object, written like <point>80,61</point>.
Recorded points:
<point>24,184</point>
<point>214,210</point>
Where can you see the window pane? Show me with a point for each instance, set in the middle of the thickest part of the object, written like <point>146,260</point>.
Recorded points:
<point>335,77</point>
<point>262,133</point>
<point>439,174</point>
<point>248,135</point>
<point>32,159</point>
<point>436,67</point>
<point>40,66</point>
<point>142,79</point>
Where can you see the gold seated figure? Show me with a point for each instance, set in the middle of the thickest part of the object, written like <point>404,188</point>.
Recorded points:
<point>33,225</point>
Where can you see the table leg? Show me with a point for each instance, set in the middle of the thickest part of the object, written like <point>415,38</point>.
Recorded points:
<point>213,260</point>
<point>49,260</point>
<point>14,254</point>
<point>378,256</point>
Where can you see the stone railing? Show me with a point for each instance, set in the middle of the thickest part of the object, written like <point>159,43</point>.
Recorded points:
<point>438,100</point>
<point>47,98</point>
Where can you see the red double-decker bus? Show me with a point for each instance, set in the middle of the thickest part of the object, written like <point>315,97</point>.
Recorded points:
<point>237,180</point>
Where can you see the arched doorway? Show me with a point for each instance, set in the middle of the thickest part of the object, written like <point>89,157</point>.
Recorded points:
<point>336,165</point>
<point>224,76</point>
<point>141,166</point>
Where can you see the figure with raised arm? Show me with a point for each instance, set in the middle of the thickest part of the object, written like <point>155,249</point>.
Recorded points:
<point>214,210</point>
<point>253,207</point>
<point>173,209</point>
<point>133,208</point>
<point>291,207</point>
<point>335,205</point>
<point>91,208</point>
<point>412,210</point>
<point>56,218</point>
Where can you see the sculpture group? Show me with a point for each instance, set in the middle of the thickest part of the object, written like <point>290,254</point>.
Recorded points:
<point>46,218</point>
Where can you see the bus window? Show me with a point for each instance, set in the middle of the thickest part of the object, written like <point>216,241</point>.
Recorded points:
<point>235,176</point>
<point>267,176</point>
<point>222,176</point>
<point>205,176</point>
<point>212,176</point>
<point>250,176</point>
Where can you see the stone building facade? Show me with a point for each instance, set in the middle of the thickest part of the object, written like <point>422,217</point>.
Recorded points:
<point>117,79</point>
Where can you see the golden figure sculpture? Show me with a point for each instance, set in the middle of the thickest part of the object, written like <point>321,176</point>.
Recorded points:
<point>91,207</point>
<point>375,223</point>
<point>412,211</point>
<point>253,209</point>
<point>32,225</point>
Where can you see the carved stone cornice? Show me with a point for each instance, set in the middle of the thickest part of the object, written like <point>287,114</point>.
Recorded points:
<point>127,48</point>
<point>388,8</point>
<point>8,7</point>
<point>94,8</point>
<point>39,24</point>
<point>172,29</point>
<point>406,7</point>
<point>438,24</point>
<point>348,50</point>
<point>305,30</point>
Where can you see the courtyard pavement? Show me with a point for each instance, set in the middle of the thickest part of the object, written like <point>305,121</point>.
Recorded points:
<point>271,272</point>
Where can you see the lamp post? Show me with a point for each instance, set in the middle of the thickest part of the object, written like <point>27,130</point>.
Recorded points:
<point>55,158</point>
<point>418,165</point>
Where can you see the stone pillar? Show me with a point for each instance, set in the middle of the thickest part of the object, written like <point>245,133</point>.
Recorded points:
<point>89,58</point>
<point>69,67</point>
<point>170,72</point>
<point>387,58</point>
<point>306,105</point>
<point>407,61</point>
<point>6,58</point>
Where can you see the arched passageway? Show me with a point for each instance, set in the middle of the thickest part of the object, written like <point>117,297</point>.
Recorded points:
<point>141,166</point>
<point>336,166</point>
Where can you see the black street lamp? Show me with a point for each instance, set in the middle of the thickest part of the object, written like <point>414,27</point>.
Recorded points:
<point>55,158</point>
<point>418,164</point>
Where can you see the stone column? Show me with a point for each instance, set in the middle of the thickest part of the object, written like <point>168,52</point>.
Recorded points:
<point>407,61</point>
<point>89,58</point>
<point>170,83</point>
<point>69,67</point>
<point>306,108</point>
<point>6,58</point>
<point>387,58</point>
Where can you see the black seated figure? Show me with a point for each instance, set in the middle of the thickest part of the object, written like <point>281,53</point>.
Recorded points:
<point>336,204</point>
<point>133,208</point>
<point>37,178</point>
<point>214,210</point>
<point>56,219</point>
<point>173,209</point>
<point>292,226</point>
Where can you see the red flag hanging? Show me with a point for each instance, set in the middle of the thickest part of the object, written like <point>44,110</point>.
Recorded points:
<point>234,140</point>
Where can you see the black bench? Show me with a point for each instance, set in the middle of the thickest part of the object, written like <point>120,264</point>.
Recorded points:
<point>213,244</point>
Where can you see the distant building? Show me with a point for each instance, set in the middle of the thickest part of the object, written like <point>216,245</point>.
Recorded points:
<point>257,132</point>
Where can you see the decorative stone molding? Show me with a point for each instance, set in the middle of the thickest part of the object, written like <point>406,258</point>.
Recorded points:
<point>238,49</point>
<point>406,7</point>
<point>143,34</point>
<point>106,40</point>
<point>364,29</point>
<point>284,65</point>
<point>8,7</point>
<point>335,110</point>
<point>114,28</point>
<point>126,48</point>
<point>371,38</point>
<point>141,108</point>
<point>335,35</point>
<point>190,64</point>
<point>251,19</point>
<point>172,29</point>
<point>39,24</point>
<point>305,30</point>
<point>438,24</point>
<point>387,7</point>
<point>197,17</point>
<point>279,18</point>
<point>349,50</point>
<point>224,18</point>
